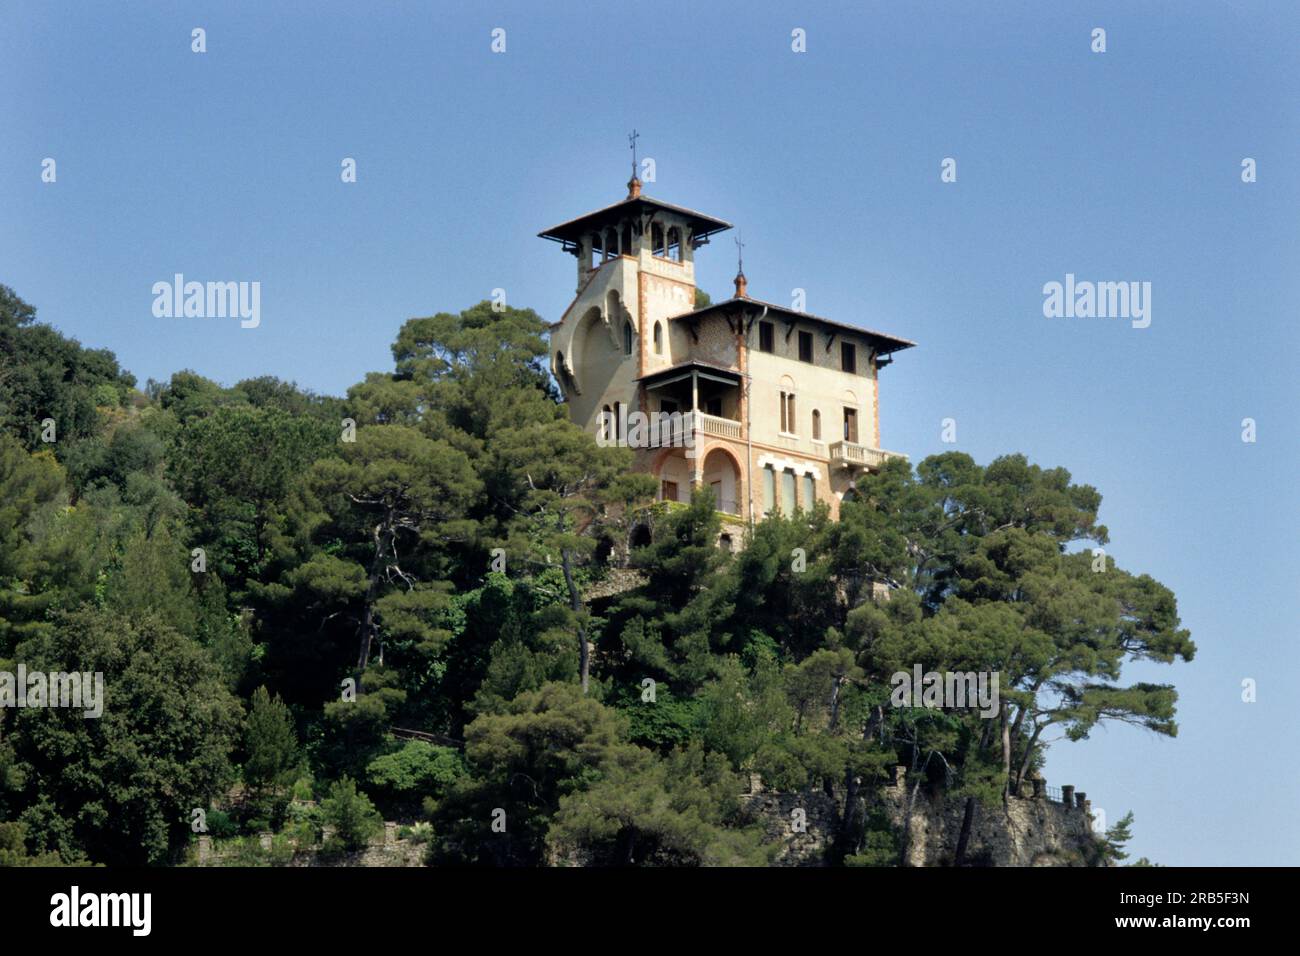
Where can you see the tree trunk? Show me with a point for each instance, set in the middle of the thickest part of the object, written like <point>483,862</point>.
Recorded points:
<point>575,600</point>
<point>907,822</point>
<point>383,535</point>
<point>875,722</point>
<point>1006,749</point>
<point>1029,750</point>
<point>967,824</point>
<point>850,833</point>
<point>835,701</point>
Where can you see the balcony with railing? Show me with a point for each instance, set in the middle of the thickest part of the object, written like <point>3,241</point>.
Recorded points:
<point>719,427</point>
<point>849,454</point>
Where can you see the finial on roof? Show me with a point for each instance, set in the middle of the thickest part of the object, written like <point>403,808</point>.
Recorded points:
<point>741,281</point>
<point>633,184</point>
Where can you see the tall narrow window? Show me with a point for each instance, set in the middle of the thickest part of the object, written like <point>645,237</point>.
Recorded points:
<point>607,423</point>
<point>765,336</point>
<point>659,339</point>
<point>787,492</point>
<point>848,357</point>
<point>769,490</point>
<point>851,425</point>
<point>626,246</point>
<point>627,338</point>
<point>789,414</point>
<point>657,240</point>
<point>675,244</point>
<point>611,243</point>
<point>817,425</point>
<point>809,493</point>
<point>805,346</point>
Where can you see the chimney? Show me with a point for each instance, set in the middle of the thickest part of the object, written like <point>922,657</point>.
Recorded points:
<point>633,188</point>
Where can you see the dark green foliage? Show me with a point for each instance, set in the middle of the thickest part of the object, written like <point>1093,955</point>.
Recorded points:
<point>271,760</point>
<point>45,375</point>
<point>352,816</point>
<point>120,787</point>
<point>352,591</point>
<point>419,769</point>
<point>1111,846</point>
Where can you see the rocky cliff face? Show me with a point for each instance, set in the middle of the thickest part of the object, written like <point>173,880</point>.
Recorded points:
<point>1028,831</point>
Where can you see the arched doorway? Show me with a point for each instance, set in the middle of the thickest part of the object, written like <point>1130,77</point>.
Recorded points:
<point>674,474</point>
<point>722,475</point>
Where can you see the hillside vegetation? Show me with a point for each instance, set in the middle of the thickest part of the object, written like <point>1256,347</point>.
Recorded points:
<point>269,591</point>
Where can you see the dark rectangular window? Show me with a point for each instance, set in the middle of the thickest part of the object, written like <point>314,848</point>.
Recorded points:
<point>765,336</point>
<point>851,425</point>
<point>805,347</point>
<point>848,357</point>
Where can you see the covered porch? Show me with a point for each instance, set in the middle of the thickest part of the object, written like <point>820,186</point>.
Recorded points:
<point>708,397</point>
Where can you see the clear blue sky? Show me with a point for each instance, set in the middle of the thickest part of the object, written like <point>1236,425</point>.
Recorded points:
<point>1117,166</point>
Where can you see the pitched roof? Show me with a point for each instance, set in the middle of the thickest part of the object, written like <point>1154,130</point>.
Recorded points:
<point>569,232</point>
<point>884,344</point>
<point>688,365</point>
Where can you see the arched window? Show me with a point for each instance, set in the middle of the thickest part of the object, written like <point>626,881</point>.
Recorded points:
<point>627,338</point>
<point>611,243</point>
<point>817,425</point>
<point>657,240</point>
<point>597,250</point>
<point>675,244</point>
<point>787,414</point>
<point>659,339</point>
<point>626,247</point>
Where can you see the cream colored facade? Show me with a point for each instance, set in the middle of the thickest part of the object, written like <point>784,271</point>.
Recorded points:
<point>778,408</point>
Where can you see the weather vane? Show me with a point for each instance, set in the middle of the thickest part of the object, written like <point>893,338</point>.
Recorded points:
<point>631,139</point>
<point>740,252</point>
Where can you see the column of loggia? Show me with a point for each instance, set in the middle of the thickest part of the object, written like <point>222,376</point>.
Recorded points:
<point>692,449</point>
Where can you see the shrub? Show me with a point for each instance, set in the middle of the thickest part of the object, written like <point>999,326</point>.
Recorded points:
<point>353,816</point>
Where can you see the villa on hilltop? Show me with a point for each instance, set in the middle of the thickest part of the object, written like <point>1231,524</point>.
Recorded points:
<point>778,408</point>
